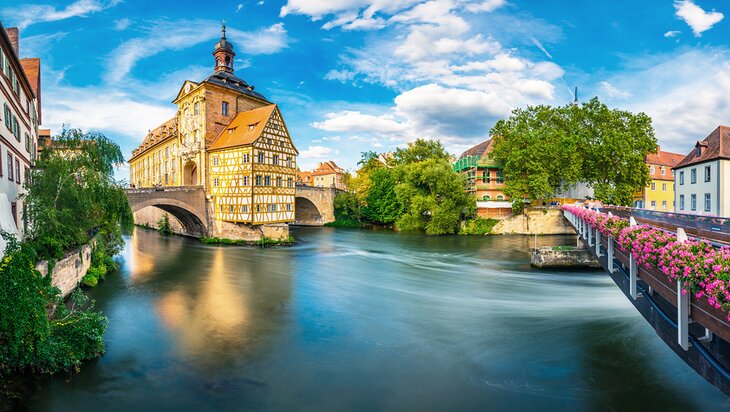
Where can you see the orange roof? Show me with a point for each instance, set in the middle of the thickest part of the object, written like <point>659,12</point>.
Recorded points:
<point>662,158</point>
<point>161,133</point>
<point>32,69</point>
<point>304,177</point>
<point>244,129</point>
<point>327,168</point>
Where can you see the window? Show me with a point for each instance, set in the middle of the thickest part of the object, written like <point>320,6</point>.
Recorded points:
<point>276,159</point>
<point>693,202</point>
<point>245,180</point>
<point>10,166</point>
<point>16,128</point>
<point>708,202</point>
<point>8,117</point>
<point>224,108</point>
<point>664,204</point>
<point>693,176</point>
<point>500,197</point>
<point>245,208</point>
<point>246,158</point>
<point>664,187</point>
<point>267,180</point>
<point>261,157</point>
<point>288,207</point>
<point>652,169</point>
<point>278,181</point>
<point>215,182</point>
<point>681,177</point>
<point>17,170</point>
<point>220,208</point>
<point>230,208</point>
<point>699,151</point>
<point>653,186</point>
<point>664,171</point>
<point>653,204</point>
<point>196,108</point>
<point>258,208</point>
<point>274,207</point>
<point>290,182</point>
<point>251,126</point>
<point>708,170</point>
<point>258,180</point>
<point>215,160</point>
<point>681,202</point>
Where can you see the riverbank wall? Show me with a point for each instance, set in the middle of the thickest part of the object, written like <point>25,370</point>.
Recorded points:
<point>535,222</point>
<point>68,272</point>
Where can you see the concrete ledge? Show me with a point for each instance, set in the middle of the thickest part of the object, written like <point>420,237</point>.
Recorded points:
<point>549,257</point>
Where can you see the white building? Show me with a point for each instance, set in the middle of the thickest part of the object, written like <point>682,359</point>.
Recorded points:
<point>19,120</point>
<point>702,178</point>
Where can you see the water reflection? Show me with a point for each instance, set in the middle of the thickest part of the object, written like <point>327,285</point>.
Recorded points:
<point>359,320</point>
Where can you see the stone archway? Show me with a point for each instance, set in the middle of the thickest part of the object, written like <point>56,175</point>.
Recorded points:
<point>307,213</point>
<point>190,174</point>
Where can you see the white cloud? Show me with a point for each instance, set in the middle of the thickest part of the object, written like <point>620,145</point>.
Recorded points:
<point>239,7</point>
<point>685,100</point>
<point>357,122</point>
<point>25,15</point>
<point>698,19</point>
<point>179,35</point>
<point>317,152</point>
<point>612,91</point>
<point>672,33</point>
<point>485,6</point>
<point>122,24</point>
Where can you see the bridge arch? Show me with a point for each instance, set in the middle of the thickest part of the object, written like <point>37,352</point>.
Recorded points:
<point>314,206</point>
<point>186,204</point>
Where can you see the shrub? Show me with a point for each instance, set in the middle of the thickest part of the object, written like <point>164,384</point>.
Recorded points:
<point>478,226</point>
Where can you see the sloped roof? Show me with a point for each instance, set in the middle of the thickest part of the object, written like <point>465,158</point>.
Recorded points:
<point>715,146</point>
<point>327,168</point>
<point>662,158</point>
<point>239,133</point>
<point>478,150</point>
<point>161,133</point>
<point>229,81</point>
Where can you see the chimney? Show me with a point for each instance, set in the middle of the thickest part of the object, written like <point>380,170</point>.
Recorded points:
<point>13,34</point>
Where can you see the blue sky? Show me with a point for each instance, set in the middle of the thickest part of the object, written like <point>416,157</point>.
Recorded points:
<point>357,75</point>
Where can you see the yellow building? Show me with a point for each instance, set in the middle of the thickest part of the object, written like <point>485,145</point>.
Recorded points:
<point>227,138</point>
<point>252,169</point>
<point>659,194</point>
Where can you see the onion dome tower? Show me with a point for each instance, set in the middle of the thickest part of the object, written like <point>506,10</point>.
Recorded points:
<point>224,53</point>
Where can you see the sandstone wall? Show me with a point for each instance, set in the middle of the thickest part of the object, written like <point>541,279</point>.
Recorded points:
<point>535,222</point>
<point>69,271</point>
<point>547,257</point>
<point>228,230</point>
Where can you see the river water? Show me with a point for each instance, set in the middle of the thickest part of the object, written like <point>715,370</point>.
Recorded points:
<point>368,321</point>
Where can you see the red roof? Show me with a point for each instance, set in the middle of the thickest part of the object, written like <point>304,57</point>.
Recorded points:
<point>715,146</point>
<point>480,149</point>
<point>661,158</point>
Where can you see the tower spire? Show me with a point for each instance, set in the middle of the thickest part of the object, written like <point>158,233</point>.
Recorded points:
<point>223,52</point>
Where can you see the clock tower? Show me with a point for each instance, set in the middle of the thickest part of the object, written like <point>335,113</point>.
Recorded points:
<point>224,53</point>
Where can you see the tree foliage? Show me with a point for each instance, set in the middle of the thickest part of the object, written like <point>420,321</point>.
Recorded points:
<point>546,149</point>
<point>38,332</point>
<point>72,194</point>
<point>415,189</point>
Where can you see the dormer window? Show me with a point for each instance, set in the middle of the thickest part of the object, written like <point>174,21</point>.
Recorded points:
<point>699,150</point>
<point>251,126</point>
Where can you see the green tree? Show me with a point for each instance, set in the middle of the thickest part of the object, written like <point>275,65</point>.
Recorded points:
<point>537,149</point>
<point>72,195</point>
<point>382,204</point>
<point>433,197</point>
<point>613,146</point>
<point>419,151</point>
<point>546,149</point>
<point>347,208</point>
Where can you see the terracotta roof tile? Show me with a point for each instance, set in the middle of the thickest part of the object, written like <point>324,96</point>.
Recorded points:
<point>244,129</point>
<point>715,146</point>
<point>667,159</point>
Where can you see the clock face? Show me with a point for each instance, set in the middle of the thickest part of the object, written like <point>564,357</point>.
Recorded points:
<point>188,87</point>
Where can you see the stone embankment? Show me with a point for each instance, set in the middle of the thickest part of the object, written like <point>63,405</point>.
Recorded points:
<point>535,222</point>
<point>565,257</point>
<point>68,272</point>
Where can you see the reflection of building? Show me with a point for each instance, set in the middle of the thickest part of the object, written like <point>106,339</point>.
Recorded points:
<point>227,138</point>
<point>20,83</point>
<point>702,178</point>
<point>484,180</point>
<point>327,174</point>
<point>659,193</point>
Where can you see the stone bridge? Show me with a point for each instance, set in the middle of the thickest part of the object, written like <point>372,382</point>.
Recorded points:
<point>186,203</point>
<point>314,206</point>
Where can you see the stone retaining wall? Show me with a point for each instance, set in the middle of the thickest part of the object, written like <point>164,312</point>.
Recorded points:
<point>547,257</point>
<point>535,222</point>
<point>69,271</point>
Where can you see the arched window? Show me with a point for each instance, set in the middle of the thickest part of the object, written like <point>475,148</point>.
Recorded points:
<point>500,197</point>
<point>486,197</point>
